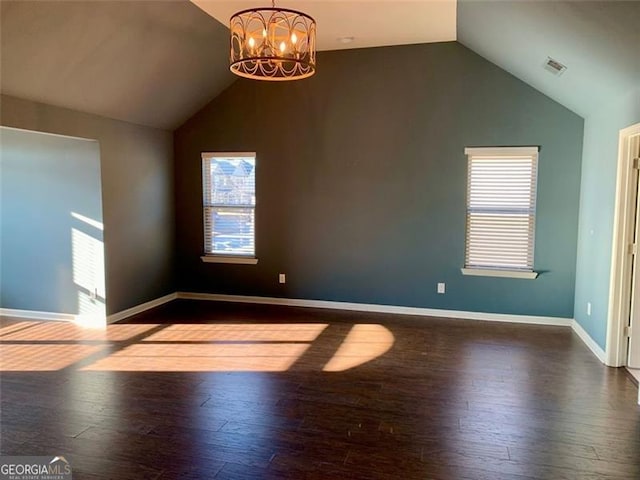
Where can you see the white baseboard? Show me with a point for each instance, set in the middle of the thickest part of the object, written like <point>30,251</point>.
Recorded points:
<point>36,315</point>
<point>295,302</point>
<point>366,307</point>
<point>143,307</point>
<point>588,341</point>
<point>79,319</point>
<point>87,320</point>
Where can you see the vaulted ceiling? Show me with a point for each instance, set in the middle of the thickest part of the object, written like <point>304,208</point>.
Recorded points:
<point>148,62</point>
<point>155,62</point>
<point>598,42</point>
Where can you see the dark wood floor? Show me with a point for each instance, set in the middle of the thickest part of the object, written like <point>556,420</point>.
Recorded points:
<point>198,390</point>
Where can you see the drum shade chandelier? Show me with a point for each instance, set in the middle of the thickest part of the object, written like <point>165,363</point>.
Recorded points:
<point>272,43</point>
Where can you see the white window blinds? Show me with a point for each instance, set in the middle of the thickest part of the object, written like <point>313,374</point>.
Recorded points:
<point>229,202</point>
<point>501,208</point>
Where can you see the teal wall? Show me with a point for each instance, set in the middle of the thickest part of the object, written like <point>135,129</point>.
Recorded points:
<point>597,203</point>
<point>50,260</point>
<point>136,167</point>
<point>361,181</point>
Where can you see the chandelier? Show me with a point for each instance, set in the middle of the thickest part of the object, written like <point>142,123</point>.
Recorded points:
<point>273,44</point>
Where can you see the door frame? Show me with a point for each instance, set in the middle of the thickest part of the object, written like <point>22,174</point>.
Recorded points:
<point>621,260</point>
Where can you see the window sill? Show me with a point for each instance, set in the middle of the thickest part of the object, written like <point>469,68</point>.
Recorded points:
<point>487,272</point>
<point>223,259</point>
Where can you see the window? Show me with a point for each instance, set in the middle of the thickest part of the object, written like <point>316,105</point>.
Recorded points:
<point>229,204</point>
<point>501,211</point>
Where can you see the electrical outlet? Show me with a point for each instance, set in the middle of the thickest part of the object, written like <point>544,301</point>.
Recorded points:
<point>589,309</point>
<point>282,278</point>
<point>441,287</point>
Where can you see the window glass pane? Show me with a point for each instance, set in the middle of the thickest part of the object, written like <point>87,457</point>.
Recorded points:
<point>232,181</point>
<point>232,230</point>
<point>229,204</point>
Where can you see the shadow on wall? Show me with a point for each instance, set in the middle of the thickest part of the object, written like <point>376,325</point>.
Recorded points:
<point>51,240</point>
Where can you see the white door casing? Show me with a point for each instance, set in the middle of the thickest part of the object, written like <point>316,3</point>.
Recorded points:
<point>633,360</point>
<point>622,259</point>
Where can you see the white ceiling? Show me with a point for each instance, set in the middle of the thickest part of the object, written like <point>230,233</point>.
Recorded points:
<point>371,23</point>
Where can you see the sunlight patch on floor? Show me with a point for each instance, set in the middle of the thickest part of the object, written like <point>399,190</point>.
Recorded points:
<point>231,347</point>
<point>364,343</point>
<point>41,358</point>
<point>241,332</point>
<point>66,331</point>
<point>170,357</point>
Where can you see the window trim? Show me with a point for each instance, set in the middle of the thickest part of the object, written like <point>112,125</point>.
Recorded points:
<point>240,259</point>
<point>237,259</point>
<point>497,271</point>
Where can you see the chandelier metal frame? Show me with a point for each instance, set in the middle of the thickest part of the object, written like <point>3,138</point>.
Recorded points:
<point>272,43</point>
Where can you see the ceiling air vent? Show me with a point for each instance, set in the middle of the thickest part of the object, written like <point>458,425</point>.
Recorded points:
<point>554,66</point>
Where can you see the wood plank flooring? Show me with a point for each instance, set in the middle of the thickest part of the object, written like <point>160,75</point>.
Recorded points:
<point>202,390</point>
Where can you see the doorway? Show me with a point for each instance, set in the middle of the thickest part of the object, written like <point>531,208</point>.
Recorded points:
<point>623,329</point>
